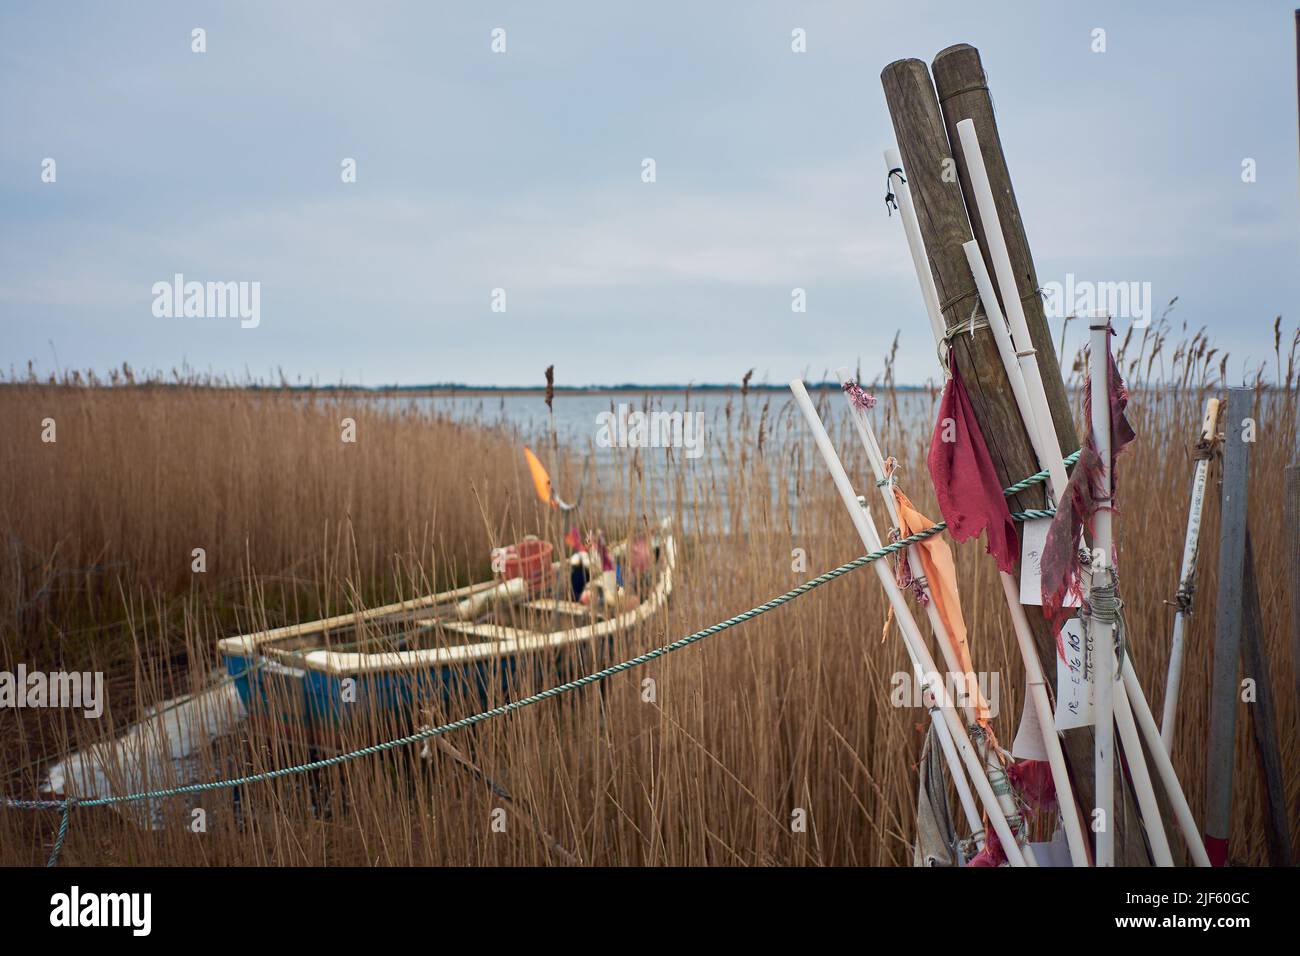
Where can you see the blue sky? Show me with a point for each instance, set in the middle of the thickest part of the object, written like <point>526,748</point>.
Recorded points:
<point>522,171</point>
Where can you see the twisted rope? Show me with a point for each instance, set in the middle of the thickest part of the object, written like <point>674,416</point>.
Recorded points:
<point>66,805</point>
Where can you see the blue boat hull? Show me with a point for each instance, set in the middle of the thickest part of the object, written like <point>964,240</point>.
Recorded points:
<point>323,704</point>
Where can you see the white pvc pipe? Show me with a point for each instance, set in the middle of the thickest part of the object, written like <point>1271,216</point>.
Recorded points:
<point>1137,768</point>
<point>1165,767</point>
<point>867,435</point>
<point>1129,702</point>
<point>1045,446</point>
<point>915,244</point>
<point>874,456</point>
<point>1103,637</point>
<point>979,179</point>
<point>922,661</point>
<point>1186,574</point>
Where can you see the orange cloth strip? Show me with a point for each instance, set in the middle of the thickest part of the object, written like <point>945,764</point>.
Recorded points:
<point>941,578</point>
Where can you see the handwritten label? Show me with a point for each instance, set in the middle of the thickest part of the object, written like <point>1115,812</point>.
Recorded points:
<point>1033,537</point>
<point>1074,678</point>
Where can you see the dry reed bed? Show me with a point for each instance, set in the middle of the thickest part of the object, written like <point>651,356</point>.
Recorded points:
<point>99,527</point>
<point>707,765</point>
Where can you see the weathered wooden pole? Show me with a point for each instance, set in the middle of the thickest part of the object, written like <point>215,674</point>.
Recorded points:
<point>964,94</point>
<point>1263,718</point>
<point>1291,514</point>
<point>1227,634</point>
<point>932,174</point>
<point>941,211</point>
<point>1292,486</point>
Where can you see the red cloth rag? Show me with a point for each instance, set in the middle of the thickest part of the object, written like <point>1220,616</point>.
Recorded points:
<point>970,495</point>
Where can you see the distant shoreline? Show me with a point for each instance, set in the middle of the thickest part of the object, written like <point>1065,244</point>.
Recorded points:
<point>443,391</point>
<point>488,391</point>
<point>448,391</point>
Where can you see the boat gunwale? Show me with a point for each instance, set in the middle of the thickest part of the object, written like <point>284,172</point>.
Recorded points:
<point>343,663</point>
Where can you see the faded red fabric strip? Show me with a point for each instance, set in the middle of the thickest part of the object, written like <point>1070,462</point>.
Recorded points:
<point>1084,495</point>
<point>969,492</point>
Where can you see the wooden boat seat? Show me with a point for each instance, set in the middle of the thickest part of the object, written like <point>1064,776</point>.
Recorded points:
<point>496,632</point>
<point>563,607</point>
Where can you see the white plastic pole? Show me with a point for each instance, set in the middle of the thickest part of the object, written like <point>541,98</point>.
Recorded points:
<point>868,438</point>
<point>973,703</point>
<point>1015,312</point>
<point>1129,706</point>
<point>1165,767</point>
<point>1103,636</point>
<point>1186,575</point>
<point>1146,795</point>
<point>915,244</point>
<point>922,661</point>
<point>1049,457</point>
<point>1045,447</point>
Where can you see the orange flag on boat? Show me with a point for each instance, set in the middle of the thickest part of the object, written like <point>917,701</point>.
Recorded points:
<point>541,480</point>
<point>941,576</point>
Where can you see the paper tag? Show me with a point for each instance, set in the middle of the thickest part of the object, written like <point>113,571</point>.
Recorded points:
<point>1033,538</point>
<point>1028,744</point>
<point>1074,678</point>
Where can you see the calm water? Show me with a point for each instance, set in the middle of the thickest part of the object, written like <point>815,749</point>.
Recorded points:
<point>902,421</point>
<point>581,421</point>
<point>577,416</point>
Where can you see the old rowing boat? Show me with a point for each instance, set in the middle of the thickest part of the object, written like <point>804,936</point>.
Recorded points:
<point>471,644</point>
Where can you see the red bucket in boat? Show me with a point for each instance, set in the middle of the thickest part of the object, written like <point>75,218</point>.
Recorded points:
<point>530,559</point>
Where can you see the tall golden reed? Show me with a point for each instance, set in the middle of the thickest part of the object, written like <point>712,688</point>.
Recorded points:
<point>774,743</point>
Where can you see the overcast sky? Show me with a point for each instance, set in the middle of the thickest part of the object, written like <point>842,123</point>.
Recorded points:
<point>522,171</point>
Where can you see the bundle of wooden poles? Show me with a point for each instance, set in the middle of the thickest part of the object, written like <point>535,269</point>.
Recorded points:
<point>949,180</point>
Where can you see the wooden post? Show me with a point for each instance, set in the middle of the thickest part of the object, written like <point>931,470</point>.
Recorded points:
<point>1291,512</point>
<point>941,211</point>
<point>1263,720</point>
<point>1291,483</point>
<point>1227,636</point>
<point>964,94</point>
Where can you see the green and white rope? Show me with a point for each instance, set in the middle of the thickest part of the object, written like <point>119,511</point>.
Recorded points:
<point>500,711</point>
